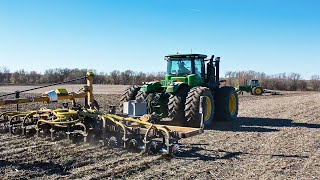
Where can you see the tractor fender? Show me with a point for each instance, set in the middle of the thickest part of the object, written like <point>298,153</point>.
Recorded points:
<point>175,86</point>
<point>153,86</point>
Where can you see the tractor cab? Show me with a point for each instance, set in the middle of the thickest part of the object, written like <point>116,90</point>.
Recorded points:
<point>254,83</point>
<point>190,69</point>
<point>184,65</point>
<point>186,70</point>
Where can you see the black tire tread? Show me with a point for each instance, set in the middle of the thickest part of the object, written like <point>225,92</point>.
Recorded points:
<point>222,103</point>
<point>176,106</point>
<point>142,95</point>
<point>192,105</point>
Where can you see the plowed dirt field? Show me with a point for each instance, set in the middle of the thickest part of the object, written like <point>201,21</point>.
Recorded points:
<point>275,137</point>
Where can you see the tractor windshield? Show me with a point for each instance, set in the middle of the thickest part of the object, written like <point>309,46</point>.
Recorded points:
<point>179,67</point>
<point>254,83</point>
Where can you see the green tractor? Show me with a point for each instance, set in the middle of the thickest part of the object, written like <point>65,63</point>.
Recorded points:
<point>252,86</point>
<point>177,98</point>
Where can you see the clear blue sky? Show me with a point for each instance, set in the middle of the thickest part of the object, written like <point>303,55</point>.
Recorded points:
<point>269,36</point>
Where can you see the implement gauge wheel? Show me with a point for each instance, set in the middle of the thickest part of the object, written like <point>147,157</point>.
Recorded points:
<point>257,91</point>
<point>129,94</point>
<point>192,107</point>
<point>227,104</point>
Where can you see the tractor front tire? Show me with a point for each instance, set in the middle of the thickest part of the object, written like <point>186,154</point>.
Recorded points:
<point>192,107</point>
<point>142,96</point>
<point>227,104</point>
<point>151,99</point>
<point>257,91</point>
<point>163,102</point>
<point>129,94</point>
<point>176,106</point>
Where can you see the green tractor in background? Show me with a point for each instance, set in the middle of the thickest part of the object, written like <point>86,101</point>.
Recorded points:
<point>252,86</point>
<point>177,97</point>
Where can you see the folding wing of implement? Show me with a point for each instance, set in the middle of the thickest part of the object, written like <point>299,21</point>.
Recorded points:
<point>89,124</point>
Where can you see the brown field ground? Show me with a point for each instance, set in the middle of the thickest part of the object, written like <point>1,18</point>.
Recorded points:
<point>275,137</point>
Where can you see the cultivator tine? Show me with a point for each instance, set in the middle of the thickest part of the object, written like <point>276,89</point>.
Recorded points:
<point>23,131</point>
<point>37,132</point>
<point>104,132</point>
<point>156,138</point>
<point>147,140</point>
<point>27,123</point>
<point>4,119</point>
<point>83,132</point>
<point>52,134</point>
<point>68,133</point>
<point>114,130</point>
<point>14,122</point>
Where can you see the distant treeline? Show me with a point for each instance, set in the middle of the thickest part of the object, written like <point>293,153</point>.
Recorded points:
<point>282,81</point>
<point>22,77</point>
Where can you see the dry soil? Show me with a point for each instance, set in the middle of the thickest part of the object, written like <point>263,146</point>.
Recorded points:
<point>275,137</point>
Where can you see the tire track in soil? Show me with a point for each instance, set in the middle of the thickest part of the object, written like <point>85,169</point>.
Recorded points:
<point>125,167</point>
<point>102,165</point>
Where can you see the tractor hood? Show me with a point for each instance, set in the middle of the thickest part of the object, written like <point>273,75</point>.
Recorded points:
<point>153,86</point>
<point>179,79</point>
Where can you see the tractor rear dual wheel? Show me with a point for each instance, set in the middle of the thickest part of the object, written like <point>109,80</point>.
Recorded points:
<point>227,104</point>
<point>257,91</point>
<point>192,107</point>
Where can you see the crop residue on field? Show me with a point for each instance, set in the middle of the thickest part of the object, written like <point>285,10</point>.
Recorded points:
<point>275,137</point>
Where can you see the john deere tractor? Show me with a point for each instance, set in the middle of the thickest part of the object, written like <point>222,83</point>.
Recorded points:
<point>177,98</point>
<point>252,86</point>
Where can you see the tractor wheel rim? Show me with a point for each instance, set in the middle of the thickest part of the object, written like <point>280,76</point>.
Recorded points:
<point>232,104</point>
<point>208,109</point>
<point>258,91</point>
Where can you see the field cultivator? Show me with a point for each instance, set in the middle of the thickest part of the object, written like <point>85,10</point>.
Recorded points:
<point>88,124</point>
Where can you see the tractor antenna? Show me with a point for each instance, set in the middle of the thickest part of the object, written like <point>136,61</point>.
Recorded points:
<point>191,50</point>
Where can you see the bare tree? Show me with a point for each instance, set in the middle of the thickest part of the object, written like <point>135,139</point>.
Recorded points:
<point>294,79</point>
<point>315,82</point>
<point>115,77</point>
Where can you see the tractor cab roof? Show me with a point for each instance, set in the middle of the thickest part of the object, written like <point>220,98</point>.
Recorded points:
<point>200,56</point>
